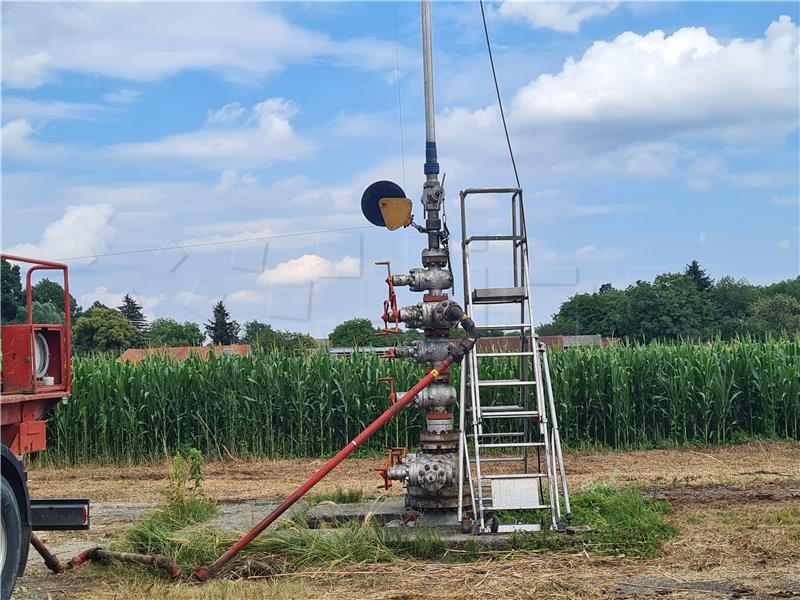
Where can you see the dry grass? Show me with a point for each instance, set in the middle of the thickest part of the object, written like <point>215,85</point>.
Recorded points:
<point>275,479</point>
<point>737,508</point>
<point>742,549</point>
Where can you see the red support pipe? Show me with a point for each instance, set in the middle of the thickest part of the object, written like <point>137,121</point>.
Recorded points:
<point>204,574</point>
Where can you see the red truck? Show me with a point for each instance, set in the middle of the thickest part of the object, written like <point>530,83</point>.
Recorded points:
<point>36,375</point>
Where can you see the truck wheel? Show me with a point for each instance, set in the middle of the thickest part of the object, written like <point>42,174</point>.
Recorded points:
<point>10,540</point>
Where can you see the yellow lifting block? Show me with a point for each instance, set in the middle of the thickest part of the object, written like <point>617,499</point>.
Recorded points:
<point>396,212</point>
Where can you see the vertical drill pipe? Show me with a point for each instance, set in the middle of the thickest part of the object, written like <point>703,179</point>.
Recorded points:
<point>431,161</point>
<point>427,66</point>
<point>203,574</point>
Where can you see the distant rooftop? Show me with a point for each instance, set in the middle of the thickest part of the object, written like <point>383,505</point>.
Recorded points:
<point>181,353</point>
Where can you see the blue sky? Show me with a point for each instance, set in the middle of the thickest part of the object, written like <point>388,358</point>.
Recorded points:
<point>647,134</point>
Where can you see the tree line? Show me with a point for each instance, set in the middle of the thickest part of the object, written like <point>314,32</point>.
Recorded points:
<point>685,305</point>
<point>105,329</point>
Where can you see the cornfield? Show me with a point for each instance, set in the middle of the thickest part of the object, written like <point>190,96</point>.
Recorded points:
<point>309,405</point>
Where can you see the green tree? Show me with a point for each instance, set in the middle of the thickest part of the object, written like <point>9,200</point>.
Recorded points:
<point>46,291</point>
<point>604,313</point>
<point>46,313</point>
<point>106,330</point>
<point>169,332</point>
<point>262,335</point>
<point>671,307</point>
<point>12,296</point>
<point>790,287</point>
<point>356,333</point>
<point>675,305</point>
<point>221,329</point>
<point>701,280</point>
<point>775,315</point>
<point>132,311</point>
<point>732,300</point>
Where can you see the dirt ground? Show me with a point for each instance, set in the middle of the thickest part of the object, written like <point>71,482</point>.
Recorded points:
<point>738,509</point>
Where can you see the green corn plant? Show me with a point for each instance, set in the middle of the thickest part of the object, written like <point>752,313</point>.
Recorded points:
<point>292,404</point>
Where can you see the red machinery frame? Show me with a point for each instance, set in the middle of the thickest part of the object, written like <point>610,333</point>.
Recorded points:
<point>24,401</point>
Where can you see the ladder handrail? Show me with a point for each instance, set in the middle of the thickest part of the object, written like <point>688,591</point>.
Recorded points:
<point>532,367</point>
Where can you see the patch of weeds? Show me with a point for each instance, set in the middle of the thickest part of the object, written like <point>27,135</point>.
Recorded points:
<point>423,544</point>
<point>729,518</point>
<point>300,546</point>
<point>786,516</point>
<point>622,521</point>
<point>185,505</point>
<point>696,518</point>
<point>340,496</point>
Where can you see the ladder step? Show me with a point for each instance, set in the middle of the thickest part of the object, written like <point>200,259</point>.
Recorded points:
<point>533,507</point>
<point>504,327</point>
<point>505,383</point>
<point>516,476</point>
<point>511,528</point>
<point>506,295</point>
<point>502,354</point>
<point>501,407</point>
<point>511,414</point>
<point>512,445</point>
<point>504,434</point>
<point>498,459</point>
<point>493,238</point>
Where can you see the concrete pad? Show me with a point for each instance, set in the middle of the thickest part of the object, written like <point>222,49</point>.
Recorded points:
<point>330,514</point>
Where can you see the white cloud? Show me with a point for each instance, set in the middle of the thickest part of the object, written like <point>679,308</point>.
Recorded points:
<point>761,179</point>
<point>230,181</point>
<point>702,237</point>
<point>706,170</point>
<point>656,85</point>
<point>17,142</point>
<point>655,159</point>
<point>216,242</point>
<point>785,245</point>
<point>592,252</point>
<point>310,267</point>
<point>559,16</point>
<point>245,297</point>
<point>267,136</point>
<point>83,230</point>
<point>364,125</point>
<point>338,198</point>
<point>24,108</point>
<point>16,136</point>
<point>786,200</point>
<point>114,299</point>
<point>703,170</point>
<point>192,298</point>
<point>121,194</point>
<point>123,96</point>
<point>226,115</point>
<point>565,209</point>
<point>585,251</point>
<point>27,71</point>
<point>149,41</point>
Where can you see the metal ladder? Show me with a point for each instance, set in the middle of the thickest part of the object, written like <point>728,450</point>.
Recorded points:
<point>510,448</point>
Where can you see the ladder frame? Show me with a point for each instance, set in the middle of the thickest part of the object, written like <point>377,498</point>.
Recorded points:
<point>530,350</point>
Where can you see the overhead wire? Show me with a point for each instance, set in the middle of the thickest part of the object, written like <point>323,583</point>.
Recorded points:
<point>216,243</point>
<point>499,98</point>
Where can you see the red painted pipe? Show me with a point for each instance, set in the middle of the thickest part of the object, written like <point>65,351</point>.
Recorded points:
<point>204,574</point>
